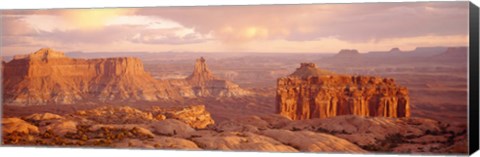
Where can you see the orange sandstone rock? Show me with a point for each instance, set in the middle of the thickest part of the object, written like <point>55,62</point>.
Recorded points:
<point>313,93</point>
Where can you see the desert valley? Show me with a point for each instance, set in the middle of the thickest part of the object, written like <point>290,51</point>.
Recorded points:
<point>392,101</point>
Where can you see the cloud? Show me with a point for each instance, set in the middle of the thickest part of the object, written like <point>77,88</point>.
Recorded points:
<point>139,29</point>
<point>281,28</point>
<point>350,22</point>
<point>169,36</point>
<point>15,26</point>
<point>93,18</point>
<point>117,33</point>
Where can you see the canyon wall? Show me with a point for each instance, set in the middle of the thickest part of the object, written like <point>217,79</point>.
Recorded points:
<point>313,93</point>
<point>49,77</point>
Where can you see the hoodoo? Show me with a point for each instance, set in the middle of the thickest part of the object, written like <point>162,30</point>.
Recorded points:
<point>314,93</point>
<point>201,74</point>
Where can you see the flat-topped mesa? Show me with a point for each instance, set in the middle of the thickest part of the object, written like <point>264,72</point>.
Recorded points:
<point>348,52</point>
<point>48,62</point>
<point>47,76</point>
<point>201,73</point>
<point>457,49</point>
<point>322,96</point>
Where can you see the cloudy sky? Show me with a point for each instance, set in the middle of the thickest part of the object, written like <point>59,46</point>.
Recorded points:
<point>267,28</point>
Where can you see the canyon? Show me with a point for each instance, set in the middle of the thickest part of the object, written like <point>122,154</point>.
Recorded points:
<point>356,102</point>
<point>49,77</point>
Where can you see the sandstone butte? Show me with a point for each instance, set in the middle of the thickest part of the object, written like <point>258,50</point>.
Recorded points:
<point>48,76</point>
<point>311,92</point>
<point>204,83</point>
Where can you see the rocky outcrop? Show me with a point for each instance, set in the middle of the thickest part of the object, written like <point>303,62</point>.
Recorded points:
<point>321,95</point>
<point>17,125</point>
<point>171,127</point>
<point>201,74</point>
<point>195,115</point>
<point>48,76</point>
<point>205,84</point>
<point>383,134</point>
<point>116,115</point>
<point>241,141</point>
<point>270,133</point>
<point>307,141</point>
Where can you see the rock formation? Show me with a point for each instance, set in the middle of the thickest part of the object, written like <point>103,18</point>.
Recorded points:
<point>205,84</point>
<point>195,115</point>
<point>313,93</point>
<point>49,77</point>
<point>271,133</point>
<point>201,74</point>
<point>395,50</point>
<point>347,53</point>
<point>453,54</point>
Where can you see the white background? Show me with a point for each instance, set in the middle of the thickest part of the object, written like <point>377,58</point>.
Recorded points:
<point>43,4</point>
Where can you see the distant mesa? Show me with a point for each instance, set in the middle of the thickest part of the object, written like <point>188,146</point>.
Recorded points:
<point>395,50</point>
<point>453,53</point>
<point>320,95</point>
<point>348,52</point>
<point>456,50</point>
<point>49,77</point>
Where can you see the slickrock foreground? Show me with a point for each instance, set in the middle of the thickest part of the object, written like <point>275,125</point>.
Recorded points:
<point>192,128</point>
<point>314,93</point>
<point>49,77</point>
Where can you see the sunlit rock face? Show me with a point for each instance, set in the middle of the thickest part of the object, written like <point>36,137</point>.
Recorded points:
<point>48,76</point>
<point>192,128</point>
<point>314,93</point>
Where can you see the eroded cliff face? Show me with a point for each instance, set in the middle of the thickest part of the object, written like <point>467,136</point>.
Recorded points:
<point>308,93</point>
<point>48,76</point>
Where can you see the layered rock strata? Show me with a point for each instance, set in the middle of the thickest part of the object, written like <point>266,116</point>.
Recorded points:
<point>49,77</point>
<point>313,93</point>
